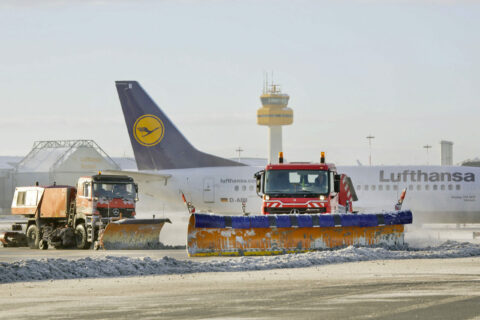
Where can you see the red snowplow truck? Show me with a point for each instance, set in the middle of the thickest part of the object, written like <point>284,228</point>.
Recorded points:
<point>304,188</point>
<point>305,207</point>
<point>99,212</point>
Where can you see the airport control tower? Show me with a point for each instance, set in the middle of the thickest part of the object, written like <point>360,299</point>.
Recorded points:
<point>274,113</point>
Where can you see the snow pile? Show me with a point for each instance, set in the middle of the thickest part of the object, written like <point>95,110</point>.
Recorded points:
<point>46,269</point>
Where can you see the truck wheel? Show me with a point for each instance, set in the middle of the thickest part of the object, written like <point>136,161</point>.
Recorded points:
<point>81,237</point>
<point>33,238</point>
<point>43,245</point>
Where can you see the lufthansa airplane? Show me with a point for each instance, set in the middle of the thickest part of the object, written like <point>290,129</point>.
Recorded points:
<point>169,166</point>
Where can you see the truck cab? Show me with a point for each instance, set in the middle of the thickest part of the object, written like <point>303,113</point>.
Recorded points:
<point>106,196</point>
<point>304,188</point>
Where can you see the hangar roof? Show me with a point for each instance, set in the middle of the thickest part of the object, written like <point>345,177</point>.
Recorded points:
<point>48,155</point>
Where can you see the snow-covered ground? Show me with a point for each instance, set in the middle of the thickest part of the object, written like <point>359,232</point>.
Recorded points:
<point>114,266</point>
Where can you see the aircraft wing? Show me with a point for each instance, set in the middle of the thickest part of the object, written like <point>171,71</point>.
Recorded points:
<point>140,176</point>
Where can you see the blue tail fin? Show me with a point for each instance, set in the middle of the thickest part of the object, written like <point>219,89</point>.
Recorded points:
<point>156,142</point>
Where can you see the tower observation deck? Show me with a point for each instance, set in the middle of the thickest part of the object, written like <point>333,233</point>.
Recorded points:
<point>274,113</point>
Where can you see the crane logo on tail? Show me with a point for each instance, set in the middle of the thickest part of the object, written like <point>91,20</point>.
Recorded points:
<point>148,130</point>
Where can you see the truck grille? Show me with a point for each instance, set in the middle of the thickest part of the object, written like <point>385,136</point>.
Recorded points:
<point>115,212</point>
<point>300,210</point>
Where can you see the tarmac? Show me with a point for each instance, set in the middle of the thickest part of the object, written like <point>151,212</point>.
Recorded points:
<point>393,289</point>
<point>381,289</point>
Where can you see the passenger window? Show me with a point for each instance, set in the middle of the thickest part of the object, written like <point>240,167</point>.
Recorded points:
<point>380,188</point>
<point>359,187</point>
<point>236,188</point>
<point>244,188</point>
<point>457,187</point>
<point>86,190</point>
<point>373,187</point>
<point>450,187</point>
<point>435,187</point>
<point>21,198</point>
<point>410,187</point>
<point>387,187</point>
<point>442,187</point>
<point>419,187</point>
<point>31,198</point>
<point>366,187</point>
<point>250,188</point>
<point>395,187</point>
<point>427,187</point>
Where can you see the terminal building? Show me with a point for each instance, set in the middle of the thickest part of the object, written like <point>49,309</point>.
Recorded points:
<point>61,162</point>
<point>446,150</point>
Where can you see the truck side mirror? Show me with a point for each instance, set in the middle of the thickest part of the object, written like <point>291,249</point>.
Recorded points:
<point>259,176</point>
<point>336,183</point>
<point>136,192</point>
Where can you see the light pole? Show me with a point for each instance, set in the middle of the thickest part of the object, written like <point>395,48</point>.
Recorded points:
<point>370,137</point>
<point>427,147</point>
<point>239,150</point>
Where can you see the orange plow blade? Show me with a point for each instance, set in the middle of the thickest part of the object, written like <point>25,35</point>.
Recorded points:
<point>278,234</point>
<point>133,234</point>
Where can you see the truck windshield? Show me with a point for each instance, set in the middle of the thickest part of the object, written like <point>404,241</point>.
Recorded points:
<point>296,182</point>
<point>114,190</point>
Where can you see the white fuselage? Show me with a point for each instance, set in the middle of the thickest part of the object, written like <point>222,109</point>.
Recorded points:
<point>434,193</point>
<point>222,190</point>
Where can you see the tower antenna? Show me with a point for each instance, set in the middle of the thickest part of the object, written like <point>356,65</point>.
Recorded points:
<point>265,81</point>
<point>263,89</point>
<point>266,76</point>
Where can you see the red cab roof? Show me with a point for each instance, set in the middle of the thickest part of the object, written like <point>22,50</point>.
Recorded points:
<point>301,166</point>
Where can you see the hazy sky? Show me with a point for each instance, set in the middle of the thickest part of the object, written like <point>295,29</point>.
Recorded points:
<point>407,72</point>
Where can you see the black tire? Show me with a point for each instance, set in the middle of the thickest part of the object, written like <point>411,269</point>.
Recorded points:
<point>33,237</point>
<point>81,237</point>
<point>43,245</point>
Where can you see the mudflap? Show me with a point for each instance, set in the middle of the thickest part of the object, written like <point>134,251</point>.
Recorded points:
<point>211,235</point>
<point>13,239</point>
<point>132,234</point>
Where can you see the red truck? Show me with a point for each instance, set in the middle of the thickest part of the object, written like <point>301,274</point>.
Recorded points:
<point>304,188</point>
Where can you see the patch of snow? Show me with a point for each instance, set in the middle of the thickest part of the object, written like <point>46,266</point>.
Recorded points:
<point>110,266</point>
